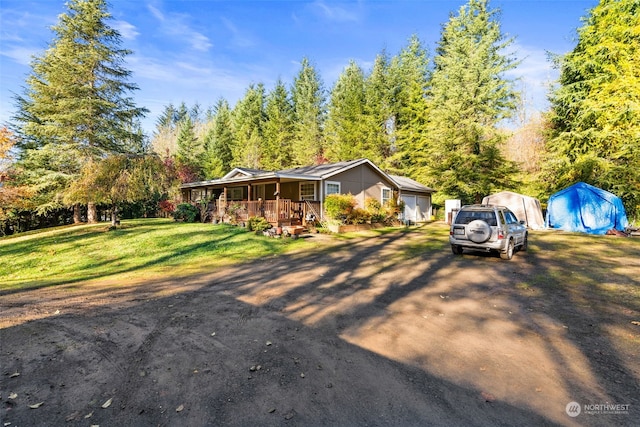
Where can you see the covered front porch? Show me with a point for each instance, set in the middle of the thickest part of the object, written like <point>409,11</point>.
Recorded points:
<point>278,212</point>
<point>280,203</point>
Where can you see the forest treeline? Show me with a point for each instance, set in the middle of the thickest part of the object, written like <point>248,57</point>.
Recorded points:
<point>436,116</point>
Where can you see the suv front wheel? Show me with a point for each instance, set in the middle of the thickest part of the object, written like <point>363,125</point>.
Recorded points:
<point>508,252</point>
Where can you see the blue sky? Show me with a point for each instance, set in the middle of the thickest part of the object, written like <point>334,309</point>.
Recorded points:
<point>202,50</point>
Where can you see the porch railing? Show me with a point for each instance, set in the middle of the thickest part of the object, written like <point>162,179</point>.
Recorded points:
<point>274,211</point>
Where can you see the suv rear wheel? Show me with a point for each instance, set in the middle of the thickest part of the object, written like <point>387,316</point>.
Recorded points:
<point>456,249</point>
<point>508,253</point>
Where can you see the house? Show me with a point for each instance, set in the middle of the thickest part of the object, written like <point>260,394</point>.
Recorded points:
<point>294,196</point>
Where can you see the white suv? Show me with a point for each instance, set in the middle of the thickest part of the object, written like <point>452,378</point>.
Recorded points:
<point>487,228</point>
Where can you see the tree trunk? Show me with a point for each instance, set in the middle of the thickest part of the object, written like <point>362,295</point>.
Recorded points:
<point>76,214</point>
<point>114,216</point>
<point>92,213</point>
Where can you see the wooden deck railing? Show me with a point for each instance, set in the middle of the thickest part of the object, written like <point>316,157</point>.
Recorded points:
<point>274,211</point>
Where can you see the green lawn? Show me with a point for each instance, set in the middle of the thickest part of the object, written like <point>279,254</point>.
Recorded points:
<point>140,248</point>
<point>150,248</point>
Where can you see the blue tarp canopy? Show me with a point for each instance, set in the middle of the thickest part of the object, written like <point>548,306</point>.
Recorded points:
<point>587,209</point>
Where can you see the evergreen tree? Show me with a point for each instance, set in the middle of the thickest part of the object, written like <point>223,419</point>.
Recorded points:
<point>278,129</point>
<point>409,78</point>
<point>308,107</point>
<point>595,117</point>
<point>77,99</point>
<point>469,96</point>
<point>189,149</point>
<point>249,119</point>
<point>166,119</point>
<point>219,142</point>
<point>345,130</point>
<point>181,113</point>
<point>378,113</point>
<point>77,92</point>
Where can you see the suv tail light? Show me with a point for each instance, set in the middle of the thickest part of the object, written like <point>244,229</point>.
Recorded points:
<point>500,234</point>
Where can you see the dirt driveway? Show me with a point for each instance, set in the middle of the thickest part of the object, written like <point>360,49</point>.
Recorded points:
<point>368,331</point>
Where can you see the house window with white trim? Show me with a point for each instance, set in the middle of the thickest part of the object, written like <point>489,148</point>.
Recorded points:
<point>307,191</point>
<point>331,187</point>
<point>387,195</point>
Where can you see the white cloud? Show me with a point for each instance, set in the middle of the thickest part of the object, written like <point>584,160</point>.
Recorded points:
<point>156,13</point>
<point>176,26</point>
<point>335,13</point>
<point>238,39</point>
<point>19,54</point>
<point>126,30</point>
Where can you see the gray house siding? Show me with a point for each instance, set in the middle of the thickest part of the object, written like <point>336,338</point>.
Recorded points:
<point>362,182</point>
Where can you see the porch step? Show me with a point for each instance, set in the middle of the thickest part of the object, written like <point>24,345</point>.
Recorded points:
<point>294,230</point>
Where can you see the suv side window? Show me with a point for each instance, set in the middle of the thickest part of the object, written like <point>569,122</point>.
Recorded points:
<point>501,215</point>
<point>511,218</point>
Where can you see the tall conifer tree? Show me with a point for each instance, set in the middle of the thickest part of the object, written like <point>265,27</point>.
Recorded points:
<point>345,130</point>
<point>278,129</point>
<point>219,142</point>
<point>409,77</point>
<point>595,117</point>
<point>308,107</point>
<point>378,113</point>
<point>77,97</point>
<point>249,120</point>
<point>469,96</point>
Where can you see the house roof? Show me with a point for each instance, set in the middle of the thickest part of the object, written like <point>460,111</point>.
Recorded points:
<point>408,184</point>
<point>247,172</point>
<point>326,170</point>
<point>312,173</point>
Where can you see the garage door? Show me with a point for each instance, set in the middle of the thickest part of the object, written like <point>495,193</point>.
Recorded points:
<point>409,208</point>
<point>423,209</point>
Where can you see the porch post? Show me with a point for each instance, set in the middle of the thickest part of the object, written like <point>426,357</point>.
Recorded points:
<point>248,192</point>
<point>224,204</point>
<point>321,200</point>
<point>278,201</point>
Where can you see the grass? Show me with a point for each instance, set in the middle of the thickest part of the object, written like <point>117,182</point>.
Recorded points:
<point>140,248</point>
<point>605,266</point>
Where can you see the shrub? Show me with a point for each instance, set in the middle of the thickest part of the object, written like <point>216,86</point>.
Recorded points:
<point>185,212</point>
<point>375,210</point>
<point>166,207</point>
<point>232,213</point>
<point>358,216</point>
<point>339,206</point>
<point>258,223</point>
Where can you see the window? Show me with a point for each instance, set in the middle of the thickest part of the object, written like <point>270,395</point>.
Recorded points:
<point>258,192</point>
<point>511,218</point>
<point>234,193</point>
<point>332,187</point>
<point>387,194</point>
<point>307,191</point>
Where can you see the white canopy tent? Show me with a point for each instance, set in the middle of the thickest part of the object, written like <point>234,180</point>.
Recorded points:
<point>525,208</point>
